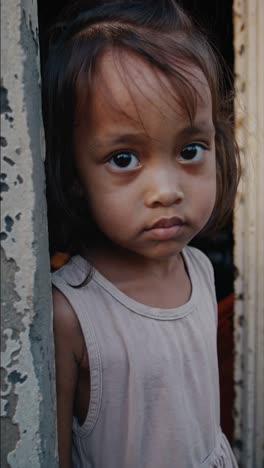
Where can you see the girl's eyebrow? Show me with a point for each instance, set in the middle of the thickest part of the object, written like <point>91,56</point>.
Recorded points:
<point>199,127</point>
<point>141,137</point>
<point>120,139</point>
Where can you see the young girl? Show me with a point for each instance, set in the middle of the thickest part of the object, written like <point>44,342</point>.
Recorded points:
<point>140,159</point>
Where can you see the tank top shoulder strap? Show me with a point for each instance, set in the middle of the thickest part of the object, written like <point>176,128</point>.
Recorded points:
<point>65,280</point>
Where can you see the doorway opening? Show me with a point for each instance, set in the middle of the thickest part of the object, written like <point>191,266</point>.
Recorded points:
<point>217,19</point>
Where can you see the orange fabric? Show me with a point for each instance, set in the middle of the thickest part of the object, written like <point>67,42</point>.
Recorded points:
<point>58,260</point>
<point>226,305</point>
<point>226,363</point>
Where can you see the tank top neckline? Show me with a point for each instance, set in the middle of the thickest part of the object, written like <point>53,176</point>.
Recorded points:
<point>139,308</point>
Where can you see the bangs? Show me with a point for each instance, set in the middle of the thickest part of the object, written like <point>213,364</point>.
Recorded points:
<point>171,58</point>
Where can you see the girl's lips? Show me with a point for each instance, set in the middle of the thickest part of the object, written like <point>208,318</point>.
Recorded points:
<point>167,223</point>
<point>165,229</point>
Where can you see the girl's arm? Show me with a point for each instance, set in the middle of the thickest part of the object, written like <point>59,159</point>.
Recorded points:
<point>68,352</point>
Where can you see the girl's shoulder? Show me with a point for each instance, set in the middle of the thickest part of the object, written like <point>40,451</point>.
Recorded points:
<point>198,256</point>
<point>74,272</point>
<point>196,260</point>
<point>202,276</point>
<point>66,309</point>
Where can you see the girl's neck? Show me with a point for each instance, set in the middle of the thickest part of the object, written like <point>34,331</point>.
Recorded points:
<point>162,283</point>
<point>113,261</point>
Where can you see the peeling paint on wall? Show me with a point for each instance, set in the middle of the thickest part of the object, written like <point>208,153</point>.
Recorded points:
<point>27,369</point>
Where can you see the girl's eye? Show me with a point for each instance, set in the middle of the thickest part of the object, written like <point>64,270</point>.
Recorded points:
<point>124,161</point>
<point>192,153</point>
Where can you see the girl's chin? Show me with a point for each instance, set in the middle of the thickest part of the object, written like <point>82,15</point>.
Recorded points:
<point>151,249</point>
<point>161,251</point>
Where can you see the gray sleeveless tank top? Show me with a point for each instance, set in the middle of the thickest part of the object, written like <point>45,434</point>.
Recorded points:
<point>154,375</point>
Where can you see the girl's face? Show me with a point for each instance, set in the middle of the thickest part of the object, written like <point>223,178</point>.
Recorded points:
<point>148,174</point>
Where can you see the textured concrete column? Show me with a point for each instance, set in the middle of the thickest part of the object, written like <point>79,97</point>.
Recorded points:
<point>249,234</point>
<point>28,397</point>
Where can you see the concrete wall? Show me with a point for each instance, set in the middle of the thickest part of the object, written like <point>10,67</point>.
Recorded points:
<point>27,373</point>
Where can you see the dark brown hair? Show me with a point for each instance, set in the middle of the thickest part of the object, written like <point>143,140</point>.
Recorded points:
<point>165,37</point>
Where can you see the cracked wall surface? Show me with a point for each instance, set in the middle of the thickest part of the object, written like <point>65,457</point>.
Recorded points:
<point>27,365</point>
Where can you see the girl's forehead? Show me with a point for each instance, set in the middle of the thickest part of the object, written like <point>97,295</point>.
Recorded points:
<point>126,86</point>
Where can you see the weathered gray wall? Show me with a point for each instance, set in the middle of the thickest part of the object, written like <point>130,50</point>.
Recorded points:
<point>27,372</point>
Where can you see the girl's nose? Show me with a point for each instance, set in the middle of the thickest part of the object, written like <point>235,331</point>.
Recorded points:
<point>163,189</point>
